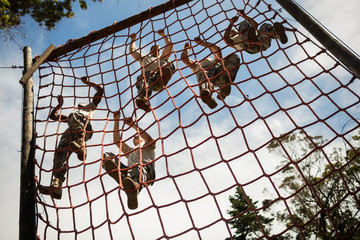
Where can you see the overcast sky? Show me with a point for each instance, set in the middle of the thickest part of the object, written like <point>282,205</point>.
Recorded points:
<point>340,17</point>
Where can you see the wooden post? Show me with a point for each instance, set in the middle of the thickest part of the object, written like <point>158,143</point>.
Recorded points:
<point>27,228</point>
<point>342,53</point>
<point>116,27</point>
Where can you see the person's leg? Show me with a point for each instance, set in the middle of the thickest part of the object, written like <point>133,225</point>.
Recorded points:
<point>224,80</point>
<point>205,92</point>
<point>268,32</point>
<point>143,92</point>
<point>247,31</point>
<point>62,154</point>
<point>131,186</point>
<point>110,164</point>
<point>76,122</point>
<point>131,183</point>
<point>249,34</point>
<point>164,75</point>
<point>76,146</point>
<point>131,190</point>
<point>150,173</point>
<point>280,32</point>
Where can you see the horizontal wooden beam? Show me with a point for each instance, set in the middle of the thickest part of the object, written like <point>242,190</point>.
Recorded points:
<point>116,27</point>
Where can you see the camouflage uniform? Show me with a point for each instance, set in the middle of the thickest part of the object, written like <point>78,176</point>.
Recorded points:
<point>147,171</point>
<point>214,70</point>
<point>79,131</point>
<point>262,41</point>
<point>153,80</point>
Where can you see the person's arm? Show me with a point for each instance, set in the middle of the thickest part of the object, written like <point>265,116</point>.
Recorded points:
<point>54,115</point>
<point>215,49</point>
<point>227,39</point>
<point>99,90</point>
<point>168,45</point>
<point>185,56</point>
<point>249,19</point>
<point>116,135</point>
<point>132,48</point>
<point>143,134</point>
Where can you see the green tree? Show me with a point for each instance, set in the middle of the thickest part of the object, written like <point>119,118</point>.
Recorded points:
<point>45,12</point>
<point>245,218</point>
<point>324,185</point>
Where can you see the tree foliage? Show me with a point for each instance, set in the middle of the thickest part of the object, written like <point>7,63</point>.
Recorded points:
<point>324,185</point>
<point>245,219</point>
<point>45,12</point>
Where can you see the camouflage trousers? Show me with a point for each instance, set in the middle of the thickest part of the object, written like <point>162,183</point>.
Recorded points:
<point>74,133</point>
<point>153,81</point>
<point>147,171</point>
<point>263,39</point>
<point>220,76</point>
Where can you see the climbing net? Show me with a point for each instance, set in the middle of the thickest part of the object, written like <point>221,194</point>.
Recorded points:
<point>203,155</point>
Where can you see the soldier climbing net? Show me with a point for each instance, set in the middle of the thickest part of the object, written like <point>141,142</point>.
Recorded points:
<point>202,154</point>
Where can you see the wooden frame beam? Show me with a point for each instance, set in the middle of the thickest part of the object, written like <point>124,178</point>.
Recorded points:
<point>116,27</point>
<point>36,65</point>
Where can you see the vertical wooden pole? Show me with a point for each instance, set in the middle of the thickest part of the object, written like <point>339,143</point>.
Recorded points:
<point>27,228</point>
<point>343,54</point>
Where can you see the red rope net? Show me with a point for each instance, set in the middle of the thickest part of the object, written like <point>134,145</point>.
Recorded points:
<point>295,90</point>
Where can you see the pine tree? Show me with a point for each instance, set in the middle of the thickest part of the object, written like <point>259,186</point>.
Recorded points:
<point>246,219</point>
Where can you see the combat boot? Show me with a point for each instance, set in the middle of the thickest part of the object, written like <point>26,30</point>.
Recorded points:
<point>112,169</point>
<point>54,190</point>
<point>131,190</point>
<point>206,97</point>
<point>143,104</point>
<point>224,92</point>
<point>280,32</point>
